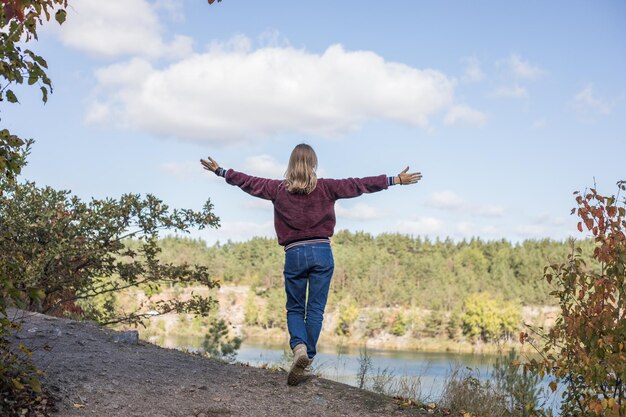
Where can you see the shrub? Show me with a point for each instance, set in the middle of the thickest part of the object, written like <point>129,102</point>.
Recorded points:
<point>585,351</point>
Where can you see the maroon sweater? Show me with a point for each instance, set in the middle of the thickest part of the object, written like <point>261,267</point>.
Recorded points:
<point>302,216</point>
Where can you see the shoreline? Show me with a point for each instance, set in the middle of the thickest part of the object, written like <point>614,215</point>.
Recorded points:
<point>277,338</point>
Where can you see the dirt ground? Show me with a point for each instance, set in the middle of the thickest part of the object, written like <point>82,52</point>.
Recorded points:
<point>90,374</point>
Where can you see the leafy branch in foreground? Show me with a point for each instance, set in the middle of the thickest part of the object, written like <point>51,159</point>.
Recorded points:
<point>58,250</point>
<point>18,25</point>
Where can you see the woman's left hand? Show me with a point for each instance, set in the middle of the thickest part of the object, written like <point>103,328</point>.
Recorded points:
<point>210,165</point>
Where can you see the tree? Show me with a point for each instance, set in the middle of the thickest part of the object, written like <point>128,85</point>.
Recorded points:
<point>19,20</point>
<point>57,250</point>
<point>585,351</point>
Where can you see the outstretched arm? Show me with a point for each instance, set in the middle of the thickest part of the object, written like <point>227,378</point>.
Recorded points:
<point>258,187</point>
<point>354,187</point>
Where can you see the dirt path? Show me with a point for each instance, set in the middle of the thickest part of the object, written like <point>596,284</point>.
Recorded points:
<point>91,375</point>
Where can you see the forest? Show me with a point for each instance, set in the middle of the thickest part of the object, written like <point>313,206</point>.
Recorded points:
<point>394,269</point>
<point>471,291</point>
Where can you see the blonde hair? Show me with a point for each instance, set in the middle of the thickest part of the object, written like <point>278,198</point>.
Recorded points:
<point>300,177</point>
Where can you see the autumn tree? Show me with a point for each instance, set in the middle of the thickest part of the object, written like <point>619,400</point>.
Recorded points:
<point>585,352</point>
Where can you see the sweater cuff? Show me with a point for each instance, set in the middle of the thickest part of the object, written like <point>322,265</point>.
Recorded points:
<point>220,172</point>
<point>391,181</point>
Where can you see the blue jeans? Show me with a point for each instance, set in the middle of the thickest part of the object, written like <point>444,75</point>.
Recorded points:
<point>309,265</point>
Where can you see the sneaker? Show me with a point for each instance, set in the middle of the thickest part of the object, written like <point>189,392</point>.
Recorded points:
<point>301,360</point>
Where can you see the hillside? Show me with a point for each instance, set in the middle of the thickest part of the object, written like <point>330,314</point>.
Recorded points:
<point>90,374</point>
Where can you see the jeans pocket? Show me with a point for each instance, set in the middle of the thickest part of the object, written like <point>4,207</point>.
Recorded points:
<point>292,261</point>
<point>323,256</point>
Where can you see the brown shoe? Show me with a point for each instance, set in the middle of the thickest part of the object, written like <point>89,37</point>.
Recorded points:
<point>301,360</point>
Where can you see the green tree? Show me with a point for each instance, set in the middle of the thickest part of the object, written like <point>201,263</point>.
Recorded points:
<point>348,313</point>
<point>399,325</point>
<point>58,250</point>
<point>251,314</point>
<point>489,319</point>
<point>219,344</point>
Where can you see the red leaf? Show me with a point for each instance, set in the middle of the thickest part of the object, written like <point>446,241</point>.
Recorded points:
<point>580,226</point>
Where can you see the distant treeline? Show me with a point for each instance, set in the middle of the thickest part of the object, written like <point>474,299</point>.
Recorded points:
<point>393,269</point>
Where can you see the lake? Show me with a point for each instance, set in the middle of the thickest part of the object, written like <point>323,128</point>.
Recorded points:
<point>341,363</point>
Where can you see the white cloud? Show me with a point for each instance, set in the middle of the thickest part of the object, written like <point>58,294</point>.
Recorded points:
<point>119,28</point>
<point>487,210</point>
<point>511,91</point>
<point>233,92</point>
<point>265,166</point>
<point>172,8</point>
<point>358,211</point>
<point>588,105</point>
<point>469,230</point>
<point>97,113</point>
<point>532,231</point>
<point>547,219</point>
<point>473,72</point>
<point>187,170</point>
<point>420,226</point>
<point>448,200</point>
<point>520,68</point>
<point>259,204</point>
<point>464,114</point>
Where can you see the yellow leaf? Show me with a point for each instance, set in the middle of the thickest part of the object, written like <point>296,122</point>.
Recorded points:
<point>553,386</point>
<point>17,384</point>
<point>35,385</point>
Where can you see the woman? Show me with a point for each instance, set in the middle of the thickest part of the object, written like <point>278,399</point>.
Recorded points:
<point>304,219</point>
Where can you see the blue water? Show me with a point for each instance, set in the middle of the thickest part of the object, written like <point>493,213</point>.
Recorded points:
<point>341,364</point>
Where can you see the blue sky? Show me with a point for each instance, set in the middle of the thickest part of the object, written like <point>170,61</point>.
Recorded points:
<point>505,108</point>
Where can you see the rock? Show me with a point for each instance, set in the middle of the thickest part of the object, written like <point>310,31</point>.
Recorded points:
<point>318,400</point>
<point>129,337</point>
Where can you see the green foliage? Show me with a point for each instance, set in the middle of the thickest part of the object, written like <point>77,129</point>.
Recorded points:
<point>434,323</point>
<point>454,324</point>
<point>20,390</point>
<point>520,390</point>
<point>251,314</point>
<point>392,269</point>
<point>348,313</point>
<point>275,314</point>
<point>585,352</point>
<point>375,322</point>
<point>58,249</point>
<point>19,21</point>
<point>488,319</point>
<point>398,325</point>
<point>507,393</point>
<point>218,344</point>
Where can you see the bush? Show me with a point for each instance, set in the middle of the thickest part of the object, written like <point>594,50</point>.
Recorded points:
<point>398,326</point>
<point>585,350</point>
<point>507,392</point>
<point>489,319</point>
<point>348,313</point>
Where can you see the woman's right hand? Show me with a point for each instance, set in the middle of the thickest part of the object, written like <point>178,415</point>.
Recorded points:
<point>406,178</point>
<point>210,165</point>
